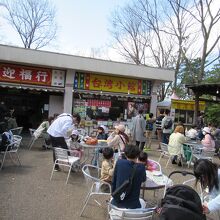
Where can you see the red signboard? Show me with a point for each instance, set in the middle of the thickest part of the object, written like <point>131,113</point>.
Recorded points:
<point>99,103</point>
<point>27,75</point>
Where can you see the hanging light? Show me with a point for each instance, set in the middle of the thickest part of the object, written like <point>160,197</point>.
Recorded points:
<point>217,92</point>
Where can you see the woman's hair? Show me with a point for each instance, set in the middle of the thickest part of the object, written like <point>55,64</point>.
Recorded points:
<point>179,128</point>
<point>131,151</point>
<point>143,156</point>
<point>207,173</point>
<point>77,116</point>
<point>108,153</point>
<point>125,136</point>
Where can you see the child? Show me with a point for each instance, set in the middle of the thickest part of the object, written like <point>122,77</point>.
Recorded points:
<point>143,158</point>
<point>102,133</point>
<point>100,136</point>
<point>107,168</point>
<point>73,144</point>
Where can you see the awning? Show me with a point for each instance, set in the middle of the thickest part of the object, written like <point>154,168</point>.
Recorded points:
<point>111,94</point>
<point>31,87</point>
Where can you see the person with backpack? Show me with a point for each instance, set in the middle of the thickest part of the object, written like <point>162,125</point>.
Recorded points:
<point>122,172</point>
<point>149,131</point>
<point>167,126</point>
<point>208,174</point>
<point>158,127</point>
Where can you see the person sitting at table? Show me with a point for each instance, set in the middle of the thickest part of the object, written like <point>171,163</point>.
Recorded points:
<point>100,136</point>
<point>107,167</point>
<point>118,139</point>
<point>208,140</point>
<point>122,172</point>
<point>208,174</point>
<point>175,145</point>
<point>149,165</point>
<point>73,144</point>
<point>192,133</point>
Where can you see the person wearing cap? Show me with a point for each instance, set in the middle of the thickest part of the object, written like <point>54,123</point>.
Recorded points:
<point>73,144</point>
<point>118,139</point>
<point>102,133</point>
<point>208,140</point>
<point>100,136</point>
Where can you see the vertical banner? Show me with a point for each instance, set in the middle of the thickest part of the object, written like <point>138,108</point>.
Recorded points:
<point>76,80</point>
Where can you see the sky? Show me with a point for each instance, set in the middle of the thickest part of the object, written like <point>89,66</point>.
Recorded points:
<point>82,25</point>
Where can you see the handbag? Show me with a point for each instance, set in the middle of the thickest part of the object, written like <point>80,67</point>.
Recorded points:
<point>125,188</point>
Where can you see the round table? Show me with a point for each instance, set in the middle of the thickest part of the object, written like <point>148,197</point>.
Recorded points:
<point>155,180</point>
<point>88,147</point>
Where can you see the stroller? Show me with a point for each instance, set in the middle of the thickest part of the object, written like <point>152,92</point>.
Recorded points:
<point>181,202</point>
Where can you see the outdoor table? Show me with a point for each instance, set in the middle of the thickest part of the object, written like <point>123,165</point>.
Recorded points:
<point>155,180</point>
<point>87,148</point>
<point>192,147</point>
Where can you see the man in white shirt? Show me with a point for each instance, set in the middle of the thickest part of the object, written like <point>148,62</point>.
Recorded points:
<point>60,129</point>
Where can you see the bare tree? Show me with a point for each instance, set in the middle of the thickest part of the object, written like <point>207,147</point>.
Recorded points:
<point>207,15</point>
<point>130,35</point>
<point>33,20</point>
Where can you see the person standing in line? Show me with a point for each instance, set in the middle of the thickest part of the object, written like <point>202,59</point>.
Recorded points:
<point>138,130</point>
<point>149,130</point>
<point>61,129</point>
<point>167,126</point>
<point>158,127</point>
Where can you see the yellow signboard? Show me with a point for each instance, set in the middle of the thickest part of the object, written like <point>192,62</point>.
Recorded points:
<point>113,84</point>
<point>186,105</point>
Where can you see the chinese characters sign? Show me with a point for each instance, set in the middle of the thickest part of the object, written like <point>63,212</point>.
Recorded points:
<point>58,78</point>
<point>23,74</point>
<point>111,84</point>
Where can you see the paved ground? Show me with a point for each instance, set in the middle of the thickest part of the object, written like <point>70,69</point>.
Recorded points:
<point>26,192</point>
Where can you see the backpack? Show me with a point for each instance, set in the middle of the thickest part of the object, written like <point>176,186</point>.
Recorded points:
<point>181,202</point>
<point>7,138</point>
<point>168,123</point>
<point>149,126</point>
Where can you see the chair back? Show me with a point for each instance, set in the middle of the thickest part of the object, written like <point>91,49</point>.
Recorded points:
<point>164,147</point>
<point>130,214</point>
<point>31,130</point>
<point>91,174</point>
<point>61,154</point>
<point>16,131</point>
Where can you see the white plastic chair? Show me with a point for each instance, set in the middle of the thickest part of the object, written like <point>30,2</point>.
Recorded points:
<point>91,174</point>
<point>33,139</point>
<point>63,160</point>
<point>164,153</point>
<point>12,148</point>
<point>16,131</point>
<point>130,214</point>
<point>203,154</point>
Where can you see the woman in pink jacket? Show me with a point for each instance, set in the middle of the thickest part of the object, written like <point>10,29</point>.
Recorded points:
<point>208,141</point>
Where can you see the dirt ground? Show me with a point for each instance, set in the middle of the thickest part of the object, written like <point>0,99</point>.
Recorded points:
<point>27,193</point>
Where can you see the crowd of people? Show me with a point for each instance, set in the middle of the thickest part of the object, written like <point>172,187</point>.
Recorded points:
<point>123,152</point>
